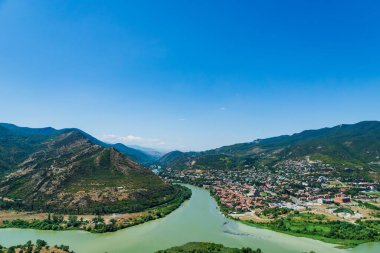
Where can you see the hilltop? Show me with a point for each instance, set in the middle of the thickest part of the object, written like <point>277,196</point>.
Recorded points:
<point>26,139</point>
<point>70,171</point>
<point>352,149</point>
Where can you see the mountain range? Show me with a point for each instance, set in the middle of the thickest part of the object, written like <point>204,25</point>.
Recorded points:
<point>138,154</point>
<point>353,149</point>
<point>68,170</point>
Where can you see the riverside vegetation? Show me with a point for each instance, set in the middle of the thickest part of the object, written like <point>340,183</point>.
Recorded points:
<point>98,224</point>
<point>316,227</point>
<point>206,247</point>
<point>197,220</point>
<point>39,247</point>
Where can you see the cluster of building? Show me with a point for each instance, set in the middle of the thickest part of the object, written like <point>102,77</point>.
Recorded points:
<point>292,184</point>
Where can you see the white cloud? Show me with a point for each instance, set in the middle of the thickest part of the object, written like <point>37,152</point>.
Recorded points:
<point>222,108</point>
<point>133,140</point>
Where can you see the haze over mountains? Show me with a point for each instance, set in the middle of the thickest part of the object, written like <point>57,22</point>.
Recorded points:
<point>70,171</point>
<point>353,150</point>
<point>49,169</point>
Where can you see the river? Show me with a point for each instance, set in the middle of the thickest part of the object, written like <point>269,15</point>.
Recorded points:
<point>196,220</point>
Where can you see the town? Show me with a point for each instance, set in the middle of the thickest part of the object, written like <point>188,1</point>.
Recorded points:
<point>300,185</point>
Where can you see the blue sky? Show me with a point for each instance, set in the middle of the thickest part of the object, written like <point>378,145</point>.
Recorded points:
<point>189,75</point>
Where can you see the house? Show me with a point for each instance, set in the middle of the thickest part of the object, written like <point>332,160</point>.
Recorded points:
<point>340,198</point>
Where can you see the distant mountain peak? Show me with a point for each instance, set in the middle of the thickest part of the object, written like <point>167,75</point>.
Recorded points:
<point>346,145</point>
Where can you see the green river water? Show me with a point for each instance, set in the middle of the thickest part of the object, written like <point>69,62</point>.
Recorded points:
<point>196,220</point>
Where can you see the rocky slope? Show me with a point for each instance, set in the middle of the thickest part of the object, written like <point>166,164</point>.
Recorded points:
<point>65,171</point>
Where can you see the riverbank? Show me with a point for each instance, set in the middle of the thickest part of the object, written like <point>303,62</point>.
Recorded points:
<point>316,227</point>
<point>208,247</point>
<point>196,220</point>
<point>91,223</point>
<point>39,247</point>
<point>342,243</point>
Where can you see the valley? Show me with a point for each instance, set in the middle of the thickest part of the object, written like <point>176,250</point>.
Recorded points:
<point>197,220</point>
<point>306,184</point>
<point>66,180</point>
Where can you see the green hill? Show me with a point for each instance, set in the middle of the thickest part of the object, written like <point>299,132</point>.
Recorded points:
<point>350,148</point>
<point>207,247</point>
<point>14,135</point>
<point>65,171</point>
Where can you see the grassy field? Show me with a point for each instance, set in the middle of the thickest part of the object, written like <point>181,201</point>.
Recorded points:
<point>341,242</point>
<point>317,227</point>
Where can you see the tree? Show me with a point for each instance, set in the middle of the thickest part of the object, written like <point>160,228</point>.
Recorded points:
<point>40,244</point>
<point>247,250</point>
<point>29,247</point>
<point>57,218</point>
<point>98,219</point>
<point>73,221</point>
